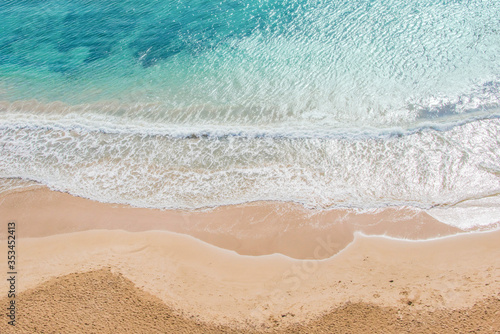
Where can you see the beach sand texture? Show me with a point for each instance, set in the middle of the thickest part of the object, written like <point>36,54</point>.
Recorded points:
<point>110,280</point>
<point>196,166</point>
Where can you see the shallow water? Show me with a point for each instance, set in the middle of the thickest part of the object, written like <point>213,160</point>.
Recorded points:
<point>176,104</point>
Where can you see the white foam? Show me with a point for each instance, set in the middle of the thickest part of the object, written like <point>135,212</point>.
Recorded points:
<point>470,214</point>
<point>423,169</point>
<point>16,183</point>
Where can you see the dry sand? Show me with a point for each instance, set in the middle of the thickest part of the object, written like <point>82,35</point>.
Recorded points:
<point>375,284</point>
<point>102,302</point>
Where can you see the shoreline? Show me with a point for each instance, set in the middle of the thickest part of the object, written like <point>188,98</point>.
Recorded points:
<point>256,228</point>
<point>60,235</point>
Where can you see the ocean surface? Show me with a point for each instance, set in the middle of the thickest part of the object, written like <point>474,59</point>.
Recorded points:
<point>195,104</point>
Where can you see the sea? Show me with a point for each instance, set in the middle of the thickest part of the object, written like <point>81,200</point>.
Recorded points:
<point>177,104</point>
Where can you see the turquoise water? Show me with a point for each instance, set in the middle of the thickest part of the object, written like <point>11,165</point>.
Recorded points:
<point>344,62</point>
<point>188,104</point>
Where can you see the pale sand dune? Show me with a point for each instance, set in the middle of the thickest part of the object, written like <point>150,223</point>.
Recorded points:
<point>219,286</point>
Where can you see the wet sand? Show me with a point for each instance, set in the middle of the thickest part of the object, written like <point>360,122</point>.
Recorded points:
<point>151,254</point>
<point>258,228</point>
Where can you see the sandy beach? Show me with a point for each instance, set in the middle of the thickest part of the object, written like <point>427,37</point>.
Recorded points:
<point>249,167</point>
<point>259,228</point>
<point>174,271</point>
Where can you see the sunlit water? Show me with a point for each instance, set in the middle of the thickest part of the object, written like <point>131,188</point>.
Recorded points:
<point>189,104</point>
